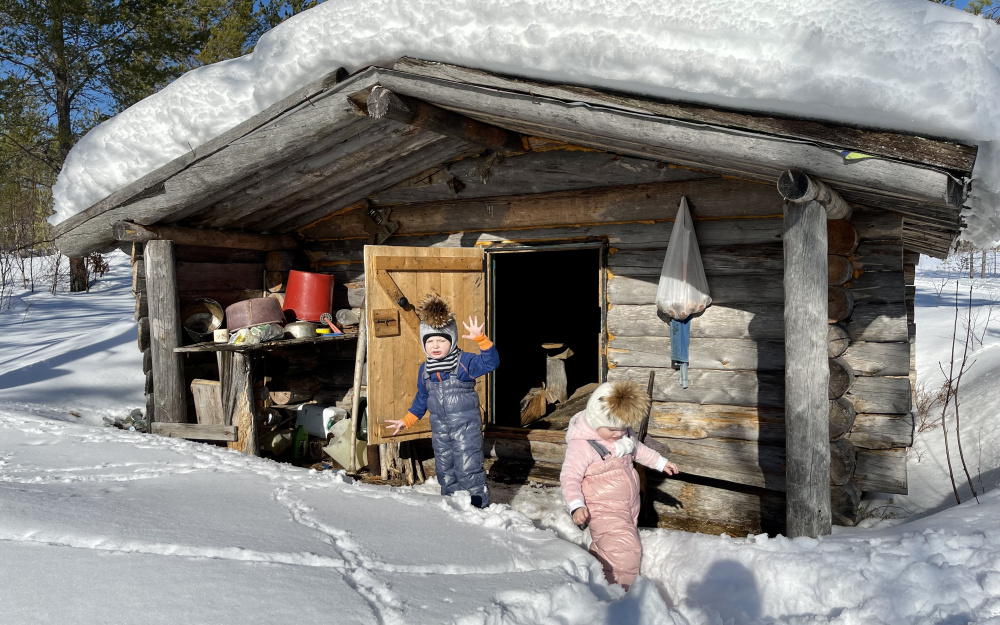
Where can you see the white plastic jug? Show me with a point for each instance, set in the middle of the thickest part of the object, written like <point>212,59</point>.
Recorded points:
<point>319,419</point>
<point>339,449</point>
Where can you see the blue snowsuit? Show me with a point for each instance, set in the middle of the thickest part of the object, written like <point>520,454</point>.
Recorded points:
<point>456,427</point>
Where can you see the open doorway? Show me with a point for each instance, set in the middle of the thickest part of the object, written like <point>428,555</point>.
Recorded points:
<point>547,296</point>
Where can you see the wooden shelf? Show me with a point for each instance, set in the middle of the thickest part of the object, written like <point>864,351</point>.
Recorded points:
<point>228,347</point>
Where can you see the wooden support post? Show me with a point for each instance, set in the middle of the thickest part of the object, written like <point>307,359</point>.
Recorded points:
<point>204,237</point>
<point>383,103</point>
<point>807,371</point>
<point>238,407</point>
<point>165,333</point>
<point>359,366</point>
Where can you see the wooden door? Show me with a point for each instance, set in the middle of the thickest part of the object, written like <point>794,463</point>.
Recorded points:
<point>394,349</point>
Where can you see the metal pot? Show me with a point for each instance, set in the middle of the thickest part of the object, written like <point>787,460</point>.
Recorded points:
<point>254,312</point>
<point>301,329</point>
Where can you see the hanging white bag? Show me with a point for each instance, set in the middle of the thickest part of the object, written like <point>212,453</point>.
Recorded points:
<point>683,289</point>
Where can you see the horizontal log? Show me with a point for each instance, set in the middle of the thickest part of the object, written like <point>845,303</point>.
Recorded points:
<point>692,421</point>
<point>718,260</point>
<point>867,358</point>
<point>882,471</point>
<point>143,334</point>
<point>721,354</point>
<point>840,303</point>
<point>201,254</point>
<point>193,277</point>
<point>759,322</point>
<point>880,395</point>
<point>879,323</point>
<point>881,431</point>
<point>839,270</point>
<point>275,281</point>
<point>286,261</point>
<point>841,417</point>
<point>733,388</point>
<point>524,449</point>
<point>129,231</point>
<point>798,187</point>
<point>141,306</point>
<point>837,340</point>
<point>841,378</point>
<point>196,431</point>
<point>879,256</point>
<point>740,462</point>
<point>843,461</point>
<point>147,360</point>
<point>877,224</point>
<point>138,277</point>
<point>710,199</point>
<point>883,287</point>
<point>759,289</point>
<point>842,237</point>
<point>224,297</point>
<point>713,509</point>
<point>845,502</point>
<point>534,172</point>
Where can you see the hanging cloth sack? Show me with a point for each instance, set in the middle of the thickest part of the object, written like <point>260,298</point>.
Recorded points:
<point>683,289</point>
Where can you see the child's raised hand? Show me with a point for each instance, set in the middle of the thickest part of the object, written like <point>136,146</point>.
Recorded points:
<point>581,516</point>
<point>671,469</point>
<point>473,328</point>
<point>394,424</point>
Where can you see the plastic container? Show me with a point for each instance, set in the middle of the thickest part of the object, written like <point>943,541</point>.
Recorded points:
<point>308,295</point>
<point>300,443</point>
<point>318,420</point>
<point>340,448</point>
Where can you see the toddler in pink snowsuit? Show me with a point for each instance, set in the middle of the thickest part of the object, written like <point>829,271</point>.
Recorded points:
<point>600,483</point>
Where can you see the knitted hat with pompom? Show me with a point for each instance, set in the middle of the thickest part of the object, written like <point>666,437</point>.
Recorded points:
<point>618,404</point>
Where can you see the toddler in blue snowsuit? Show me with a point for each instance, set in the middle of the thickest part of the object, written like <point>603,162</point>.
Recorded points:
<point>446,385</point>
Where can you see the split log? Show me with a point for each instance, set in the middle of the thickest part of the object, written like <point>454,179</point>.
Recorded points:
<point>840,304</point>
<point>842,237</point>
<point>759,322</point>
<point>843,460</point>
<point>722,354</point>
<point>128,231</point>
<point>882,471</point>
<point>881,431</point>
<point>842,417</point>
<point>165,332</point>
<point>881,359</point>
<point>533,405</point>
<point>841,378</point>
<point>733,388</point>
<point>839,270</point>
<point>880,395</point>
<point>837,340</point>
<point>238,405</point>
<point>676,420</point>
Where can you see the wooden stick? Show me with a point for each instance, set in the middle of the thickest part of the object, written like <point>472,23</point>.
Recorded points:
<point>359,365</point>
<point>383,460</point>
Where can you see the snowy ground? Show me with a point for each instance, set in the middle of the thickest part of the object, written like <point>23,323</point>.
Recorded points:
<point>99,525</point>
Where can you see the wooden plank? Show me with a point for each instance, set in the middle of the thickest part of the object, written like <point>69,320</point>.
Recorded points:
<point>936,153</point>
<point>208,402</point>
<point>393,362</point>
<point>882,471</point>
<point>882,431</point>
<point>730,260</point>
<point>733,388</point>
<point>678,420</point>
<point>531,173</point>
<point>710,198</point>
<point>408,263</point>
<point>196,431</point>
<point>722,354</point>
<point>808,380</point>
<point>880,395</point>
<point>267,138</point>
<point>165,332</point>
<point>761,289</point>
<point>759,322</point>
<point>879,358</point>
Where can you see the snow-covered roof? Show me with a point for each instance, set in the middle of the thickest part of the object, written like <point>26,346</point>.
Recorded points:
<point>903,65</point>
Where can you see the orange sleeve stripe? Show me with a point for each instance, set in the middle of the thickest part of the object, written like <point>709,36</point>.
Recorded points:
<point>484,341</point>
<point>409,419</point>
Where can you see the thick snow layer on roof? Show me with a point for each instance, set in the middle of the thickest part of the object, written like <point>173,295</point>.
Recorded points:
<point>907,65</point>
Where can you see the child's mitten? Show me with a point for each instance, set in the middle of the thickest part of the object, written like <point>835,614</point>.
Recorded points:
<point>624,446</point>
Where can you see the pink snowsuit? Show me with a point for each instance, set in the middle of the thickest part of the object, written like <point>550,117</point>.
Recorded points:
<point>609,488</point>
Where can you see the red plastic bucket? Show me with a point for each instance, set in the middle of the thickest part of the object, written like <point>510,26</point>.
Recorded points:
<point>308,295</point>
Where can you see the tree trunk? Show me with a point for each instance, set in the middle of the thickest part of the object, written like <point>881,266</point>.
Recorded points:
<point>77,275</point>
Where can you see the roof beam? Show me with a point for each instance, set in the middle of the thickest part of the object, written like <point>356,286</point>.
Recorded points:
<point>205,237</point>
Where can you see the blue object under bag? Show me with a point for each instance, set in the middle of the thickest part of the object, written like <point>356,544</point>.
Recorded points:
<point>680,340</point>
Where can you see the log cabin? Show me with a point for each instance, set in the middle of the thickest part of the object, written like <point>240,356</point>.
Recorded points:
<point>546,209</point>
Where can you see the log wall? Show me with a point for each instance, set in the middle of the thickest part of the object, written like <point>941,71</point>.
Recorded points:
<point>726,431</point>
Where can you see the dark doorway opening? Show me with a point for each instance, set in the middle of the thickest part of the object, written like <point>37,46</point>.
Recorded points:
<point>544,296</point>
